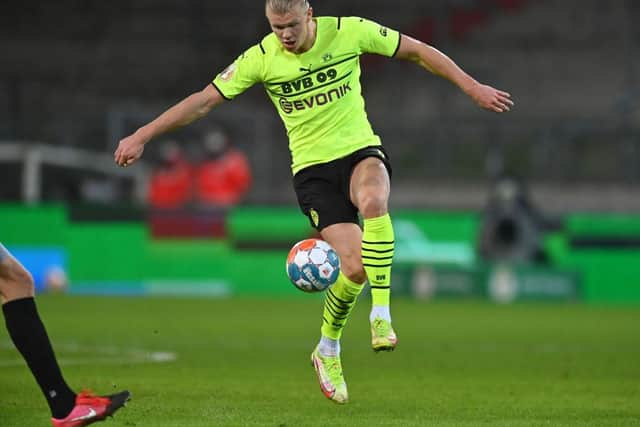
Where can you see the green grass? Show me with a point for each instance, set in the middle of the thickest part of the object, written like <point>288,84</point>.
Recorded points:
<point>245,362</point>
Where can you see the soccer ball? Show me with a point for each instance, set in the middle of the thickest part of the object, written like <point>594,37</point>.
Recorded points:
<point>313,265</point>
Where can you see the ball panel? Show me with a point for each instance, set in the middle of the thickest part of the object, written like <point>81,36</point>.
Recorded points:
<point>301,258</point>
<point>317,255</point>
<point>333,259</point>
<point>293,271</point>
<point>323,245</point>
<point>306,244</point>
<point>326,270</point>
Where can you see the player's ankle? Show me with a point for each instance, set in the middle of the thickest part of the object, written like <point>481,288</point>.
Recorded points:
<point>328,346</point>
<point>380,312</point>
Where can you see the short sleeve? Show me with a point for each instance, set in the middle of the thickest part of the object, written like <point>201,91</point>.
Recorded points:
<point>243,73</point>
<point>373,37</point>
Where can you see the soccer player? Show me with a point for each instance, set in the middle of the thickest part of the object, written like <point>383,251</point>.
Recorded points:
<point>28,333</point>
<point>310,69</point>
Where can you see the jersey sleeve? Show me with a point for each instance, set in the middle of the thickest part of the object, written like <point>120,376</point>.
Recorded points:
<point>373,37</point>
<point>243,73</point>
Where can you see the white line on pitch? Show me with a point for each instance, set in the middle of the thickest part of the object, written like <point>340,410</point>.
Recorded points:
<point>103,355</point>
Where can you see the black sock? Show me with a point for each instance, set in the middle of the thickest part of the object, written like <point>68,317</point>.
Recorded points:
<point>30,338</point>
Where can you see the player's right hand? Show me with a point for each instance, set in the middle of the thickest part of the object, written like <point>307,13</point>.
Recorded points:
<point>129,150</point>
<point>490,98</point>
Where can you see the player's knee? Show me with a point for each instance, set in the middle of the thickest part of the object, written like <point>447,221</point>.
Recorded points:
<point>16,281</point>
<point>25,280</point>
<point>373,205</point>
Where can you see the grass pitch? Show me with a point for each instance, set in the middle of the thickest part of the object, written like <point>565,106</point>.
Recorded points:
<point>244,362</point>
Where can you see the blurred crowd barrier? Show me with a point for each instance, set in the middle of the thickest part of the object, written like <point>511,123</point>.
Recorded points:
<point>586,258</point>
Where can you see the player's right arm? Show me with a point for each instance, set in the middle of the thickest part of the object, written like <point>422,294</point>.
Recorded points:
<point>190,109</point>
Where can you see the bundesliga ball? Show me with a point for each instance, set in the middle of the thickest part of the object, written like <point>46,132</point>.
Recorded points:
<point>313,265</point>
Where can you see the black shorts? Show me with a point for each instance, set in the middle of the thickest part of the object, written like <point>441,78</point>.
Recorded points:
<point>323,190</point>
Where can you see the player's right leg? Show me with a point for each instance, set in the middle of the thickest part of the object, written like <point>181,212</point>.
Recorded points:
<point>30,338</point>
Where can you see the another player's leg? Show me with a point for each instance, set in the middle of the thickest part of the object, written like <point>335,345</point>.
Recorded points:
<point>370,192</point>
<point>340,299</point>
<point>30,338</point>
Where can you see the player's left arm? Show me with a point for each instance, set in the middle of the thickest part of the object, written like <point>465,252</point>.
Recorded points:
<point>440,64</point>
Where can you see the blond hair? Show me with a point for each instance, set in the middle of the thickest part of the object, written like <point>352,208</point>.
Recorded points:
<point>280,7</point>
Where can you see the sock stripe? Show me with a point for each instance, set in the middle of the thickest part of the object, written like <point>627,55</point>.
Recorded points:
<point>330,292</point>
<point>338,306</point>
<point>376,257</point>
<point>336,310</point>
<point>379,251</point>
<point>390,252</point>
<point>335,306</point>
<point>378,243</point>
<point>337,325</point>
<point>338,302</point>
<point>337,315</point>
<point>330,309</point>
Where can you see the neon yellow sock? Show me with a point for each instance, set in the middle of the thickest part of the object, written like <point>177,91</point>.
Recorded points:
<point>377,256</point>
<point>339,300</point>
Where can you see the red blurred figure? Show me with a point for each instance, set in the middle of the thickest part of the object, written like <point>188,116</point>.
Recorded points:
<point>224,177</point>
<point>170,184</point>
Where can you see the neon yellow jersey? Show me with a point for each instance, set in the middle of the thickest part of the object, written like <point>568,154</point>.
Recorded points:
<point>317,93</point>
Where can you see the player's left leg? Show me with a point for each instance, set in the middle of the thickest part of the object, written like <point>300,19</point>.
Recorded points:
<point>370,188</point>
<point>339,301</point>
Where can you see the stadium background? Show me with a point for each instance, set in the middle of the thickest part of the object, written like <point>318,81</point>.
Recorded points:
<point>76,76</point>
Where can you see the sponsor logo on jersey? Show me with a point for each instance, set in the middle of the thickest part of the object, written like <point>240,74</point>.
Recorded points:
<point>327,57</point>
<point>317,100</point>
<point>308,82</point>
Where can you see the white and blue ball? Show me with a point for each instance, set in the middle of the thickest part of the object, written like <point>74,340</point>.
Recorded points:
<point>313,265</point>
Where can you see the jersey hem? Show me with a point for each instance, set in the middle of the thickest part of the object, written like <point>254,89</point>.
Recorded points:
<point>220,92</point>
<point>398,46</point>
<point>299,168</point>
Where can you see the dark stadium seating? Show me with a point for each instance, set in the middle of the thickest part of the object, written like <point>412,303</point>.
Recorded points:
<point>69,67</point>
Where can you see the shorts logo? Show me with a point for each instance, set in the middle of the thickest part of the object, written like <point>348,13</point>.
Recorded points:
<point>384,31</point>
<point>228,72</point>
<point>315,218</point>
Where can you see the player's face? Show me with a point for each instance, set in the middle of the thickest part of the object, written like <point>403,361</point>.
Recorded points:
<point>293,29</point>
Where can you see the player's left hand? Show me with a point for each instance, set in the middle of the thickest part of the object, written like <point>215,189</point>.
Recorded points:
<point>491,99</point>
